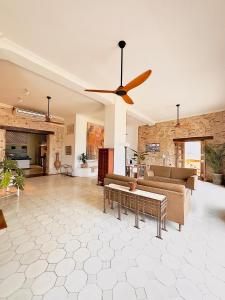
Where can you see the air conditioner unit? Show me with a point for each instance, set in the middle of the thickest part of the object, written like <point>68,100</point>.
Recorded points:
<point>28,113</point>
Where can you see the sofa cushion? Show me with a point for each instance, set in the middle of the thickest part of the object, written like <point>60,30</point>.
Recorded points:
<point>182,173</point>
<point>121,178</point>
<point>169,180</point>
<point>162,185</point>
<point>161,171</point>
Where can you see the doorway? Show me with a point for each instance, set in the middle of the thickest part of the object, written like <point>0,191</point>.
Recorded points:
<point>29,150</point>
<point>192,155</point>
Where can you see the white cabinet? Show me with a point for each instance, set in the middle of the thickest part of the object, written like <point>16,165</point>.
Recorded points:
<point>23,163</point>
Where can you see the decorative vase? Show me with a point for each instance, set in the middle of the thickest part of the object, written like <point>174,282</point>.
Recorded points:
<point>132,186</point>
<point>84,165</point>
<point>217,178</point>
<point>57,162</point>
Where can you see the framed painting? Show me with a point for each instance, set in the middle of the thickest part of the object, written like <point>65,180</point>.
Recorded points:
<point>154,147</point>
<point>95,139</point>
<point>68,150</point>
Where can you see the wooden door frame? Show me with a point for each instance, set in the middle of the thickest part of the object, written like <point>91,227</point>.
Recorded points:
<point>202,140</point>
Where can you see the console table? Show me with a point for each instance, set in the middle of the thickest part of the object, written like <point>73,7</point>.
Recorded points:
<point>140,202</point>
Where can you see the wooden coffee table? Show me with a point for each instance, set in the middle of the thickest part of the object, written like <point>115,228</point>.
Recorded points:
<point>140,202</point>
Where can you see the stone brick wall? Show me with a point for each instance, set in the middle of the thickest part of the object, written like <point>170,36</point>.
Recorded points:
<point>55,141</point>
<point>164,133</point>
<point>2,144</point>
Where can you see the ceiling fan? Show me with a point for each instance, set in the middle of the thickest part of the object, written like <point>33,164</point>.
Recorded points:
<point>178,115</point>
<point>48,116</point>
<point>178,124</point>
<point>171,124</point>
<point>123,90</point>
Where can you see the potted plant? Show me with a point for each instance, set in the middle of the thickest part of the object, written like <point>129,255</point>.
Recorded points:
<point>11,175</point>
<point>214,155</point>
<point>139,156</point>
<point>83,158</point>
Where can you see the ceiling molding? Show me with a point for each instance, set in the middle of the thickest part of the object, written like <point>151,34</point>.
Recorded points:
<point>18,55</point>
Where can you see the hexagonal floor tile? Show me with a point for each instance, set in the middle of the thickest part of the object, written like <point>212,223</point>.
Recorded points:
<point>9,269</point>
<point>21,294</point>
<point>117,243</point>
<point>107,279</point>
<point>93,265</point>
<point>137,277</point>
<point>56,293</point>
<point>94,245</point>
<point>106,253</point>
<point>187,290</point>
<point>25,247</point>
<point>164,275</point>
<point>123,291</point>
<point>36,268</point>
<point>56,255</point>
<point>11,284</point>
<point>43,283</point>
<point>76,281</point>
<point>81,254</point>
<point>65,267</point>
<point>30,257</point>
<point>91,291</point>
<point>48,246</point>
<point>72,245</point>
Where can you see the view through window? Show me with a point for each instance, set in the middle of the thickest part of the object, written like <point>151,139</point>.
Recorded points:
<point>193,155</point>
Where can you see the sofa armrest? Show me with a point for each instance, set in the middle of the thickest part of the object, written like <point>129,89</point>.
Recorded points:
<point>192,182</point>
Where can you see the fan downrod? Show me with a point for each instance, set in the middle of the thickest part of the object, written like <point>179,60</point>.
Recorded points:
<point>122,44</point>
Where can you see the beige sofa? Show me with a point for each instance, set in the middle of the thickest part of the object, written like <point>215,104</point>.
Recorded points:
<point>177,195</point>
<point>184,176</point>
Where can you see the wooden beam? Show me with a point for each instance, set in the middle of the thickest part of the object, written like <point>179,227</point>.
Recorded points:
<point>26,130</point>
<point>192,139</point>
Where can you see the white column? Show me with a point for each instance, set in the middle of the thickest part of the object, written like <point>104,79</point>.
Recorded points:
<point>115,133</point>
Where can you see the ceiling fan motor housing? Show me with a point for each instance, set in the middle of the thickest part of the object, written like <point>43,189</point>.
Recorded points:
<point>121,92</point>
<point>122,44</point>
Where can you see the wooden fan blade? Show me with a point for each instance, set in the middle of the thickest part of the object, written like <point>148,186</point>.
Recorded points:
<point>137,81</point>
<point>100,91</point>
<point>127,99</point>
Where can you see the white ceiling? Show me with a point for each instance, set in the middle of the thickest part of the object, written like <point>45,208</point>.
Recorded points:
<point>182,41</point>
<point>64,103</point>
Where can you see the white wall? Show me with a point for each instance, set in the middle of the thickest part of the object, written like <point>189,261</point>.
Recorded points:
<point>78,140</point>
<point>132,136</point>
<point>81,135</point>
<point>115,133</point>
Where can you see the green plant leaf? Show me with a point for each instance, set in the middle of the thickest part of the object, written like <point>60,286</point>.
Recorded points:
<point>5,179</point>
<point>214,155</point>
<point>10,171</point>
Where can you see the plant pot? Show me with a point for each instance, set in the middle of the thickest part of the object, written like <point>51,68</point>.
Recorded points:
<point>217,178</point>
<point>84,165</point>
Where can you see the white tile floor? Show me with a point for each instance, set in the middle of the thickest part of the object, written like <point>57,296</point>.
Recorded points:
<point>59,245</point>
